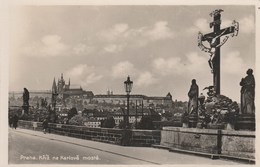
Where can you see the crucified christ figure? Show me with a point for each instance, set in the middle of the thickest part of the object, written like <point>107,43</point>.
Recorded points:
<point>213,45</point>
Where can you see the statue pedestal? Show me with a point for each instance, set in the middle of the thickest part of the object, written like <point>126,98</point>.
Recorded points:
<point>25,108</point>
<point>193,120</point>
<point>245,122</point>
<point>216,126</point>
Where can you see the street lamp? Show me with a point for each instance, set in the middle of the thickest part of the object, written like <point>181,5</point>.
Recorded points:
<point>128,87</point>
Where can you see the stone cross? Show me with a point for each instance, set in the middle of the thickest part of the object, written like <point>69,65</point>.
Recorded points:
<point>214,40</point>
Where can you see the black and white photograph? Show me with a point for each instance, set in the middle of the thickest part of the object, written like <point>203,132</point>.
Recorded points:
<point>131,84</point>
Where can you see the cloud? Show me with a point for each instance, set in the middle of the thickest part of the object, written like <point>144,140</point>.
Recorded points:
<point>200,24</point>
<point>82,49</point>
<point>196,62</point>
<point>146,79</point>
<point>167,66</point>
<point>134,37</point>
<point>117,31</point>
<point>79,70</point>
<point>92,78</point>
<point>159,31</point>
<point>191,63</point>
<point>50,45</point>
<point>122,69</point>
<point>233,63</point>
<point>112,48</point>
<point>247,24</point>
<point>226,23</point>
<point>83,74</point>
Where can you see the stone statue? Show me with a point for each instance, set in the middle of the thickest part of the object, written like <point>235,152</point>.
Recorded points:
<point>26,97</point>
<point>248,93</point>
<point>193,97</point>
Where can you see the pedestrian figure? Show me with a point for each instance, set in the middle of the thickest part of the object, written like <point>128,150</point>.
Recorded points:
<point>45,125</point>
<point>15,121</point>
<point>10,120</point>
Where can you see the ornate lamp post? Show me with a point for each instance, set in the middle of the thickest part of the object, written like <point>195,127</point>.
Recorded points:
<point>128,87</point>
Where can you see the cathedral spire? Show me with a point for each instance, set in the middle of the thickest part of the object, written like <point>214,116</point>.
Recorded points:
<point>54,86</point>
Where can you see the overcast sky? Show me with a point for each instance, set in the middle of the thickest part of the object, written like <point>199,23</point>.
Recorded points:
<point>98,46</point>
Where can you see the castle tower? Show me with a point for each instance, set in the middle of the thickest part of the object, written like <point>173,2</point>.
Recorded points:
<point>62,80</point>
<point>169,96</point>
<point>54,94</point>
<point>54,87</point>
<point>61,84</point>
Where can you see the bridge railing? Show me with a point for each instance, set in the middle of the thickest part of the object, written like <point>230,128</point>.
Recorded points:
<point>131,137</point>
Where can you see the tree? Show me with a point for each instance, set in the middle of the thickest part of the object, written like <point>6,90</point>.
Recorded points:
<point>155,115</point>
<point>109,123</point>
<point>122,125</point>
<point>72,112</point>
<point>168,115</point>
<point>76,120</point>
<point>52,116</point>
<point>146,123</point>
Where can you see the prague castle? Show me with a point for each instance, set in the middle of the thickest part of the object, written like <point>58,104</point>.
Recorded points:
<point>66,91</point>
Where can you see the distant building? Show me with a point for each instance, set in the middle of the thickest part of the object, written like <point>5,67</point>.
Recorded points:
<point>139,99</point>
<point>33,93</point>
<point>69,96</point>
<point>92,123</point>
<point>74,91</point>
<point>134,115</point>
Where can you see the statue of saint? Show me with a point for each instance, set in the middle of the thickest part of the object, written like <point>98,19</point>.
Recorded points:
<point>193,97</point>
<point>248,93</point>
<point>26,97</point>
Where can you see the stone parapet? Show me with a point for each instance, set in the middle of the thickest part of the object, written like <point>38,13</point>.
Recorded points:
<point>239,144</point>
<point>131,137</point>
<point>192,139</point>
<point>145,137</point>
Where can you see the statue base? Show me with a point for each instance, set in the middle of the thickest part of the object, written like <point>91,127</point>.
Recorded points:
<point>193,120</point>
<point>245,122</point>
<point>216,126</point>
<point>201,125</point>
<point>25,108</point>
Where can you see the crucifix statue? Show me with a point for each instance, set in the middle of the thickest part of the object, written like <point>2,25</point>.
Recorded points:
<point>214,41</point>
